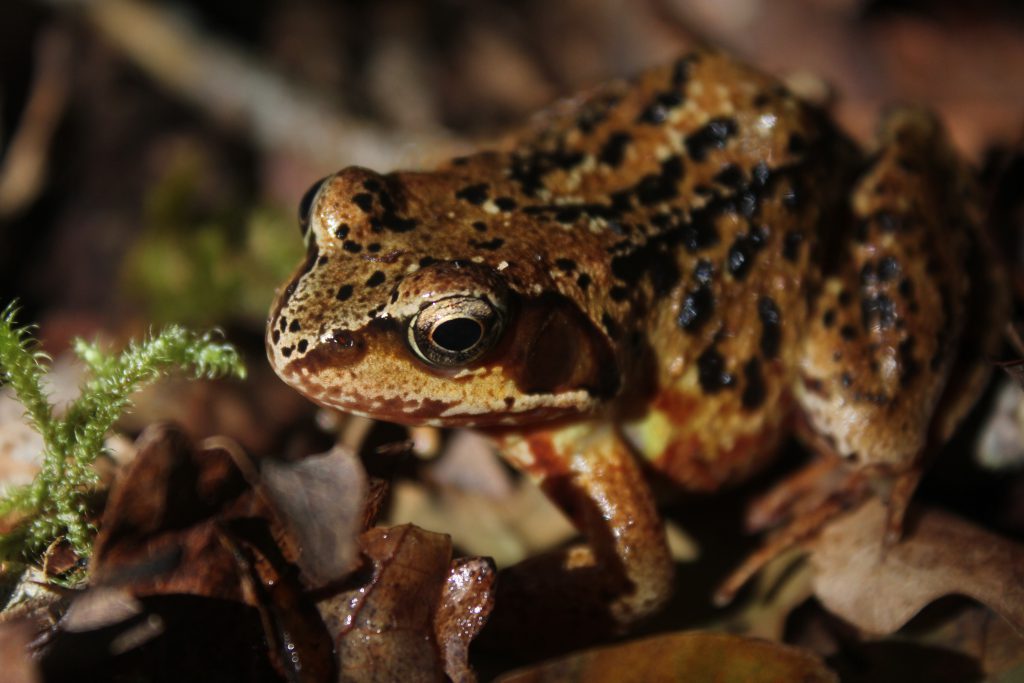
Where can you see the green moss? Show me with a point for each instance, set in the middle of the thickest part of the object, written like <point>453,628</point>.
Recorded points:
<point>56,504</point>
<point>205,256</point>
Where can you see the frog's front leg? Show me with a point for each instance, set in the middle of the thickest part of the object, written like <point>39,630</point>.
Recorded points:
<point>624,572</point>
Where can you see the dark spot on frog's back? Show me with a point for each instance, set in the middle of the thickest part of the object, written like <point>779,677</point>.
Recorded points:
<point>364,201</point>
<point>754,389</point>
<point>659,109</point>
<point>474,194</point>
<point>713,135</point>
<point>712,372</point>
<point>771,326</point>
<point>614,149</point>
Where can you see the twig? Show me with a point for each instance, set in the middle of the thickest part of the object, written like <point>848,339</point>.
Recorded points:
<point>24,168</point>
<point>237,88</point>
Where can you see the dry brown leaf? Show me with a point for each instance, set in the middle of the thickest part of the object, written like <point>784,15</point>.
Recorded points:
<point>692,657</point>
<point>879,590</point>
<point>17,665</point>
<point>160,531</point>
<point>466,602</point>
<point>414,616</point>
<point>320,501</point>
<point>383,631</point>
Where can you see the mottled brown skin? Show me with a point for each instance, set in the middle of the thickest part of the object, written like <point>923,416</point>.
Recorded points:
<point>680,267</point>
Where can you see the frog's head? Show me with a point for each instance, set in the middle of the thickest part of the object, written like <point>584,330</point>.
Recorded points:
<point>392,315</point>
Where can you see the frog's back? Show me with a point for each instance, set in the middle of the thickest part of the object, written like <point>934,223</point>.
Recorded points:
<point>685,211</point>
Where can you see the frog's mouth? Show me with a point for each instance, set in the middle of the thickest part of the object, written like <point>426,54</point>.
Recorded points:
<point>550,363</point>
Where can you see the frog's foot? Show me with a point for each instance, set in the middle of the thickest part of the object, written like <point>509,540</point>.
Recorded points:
<point>799,507</point>
<point>585,592</point>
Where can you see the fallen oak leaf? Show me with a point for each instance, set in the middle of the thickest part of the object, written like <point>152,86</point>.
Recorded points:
<point>320,500</point>
<point>409,620</point>
<point>693,657</point>
<point>880,589</point>
<point>466,602</point>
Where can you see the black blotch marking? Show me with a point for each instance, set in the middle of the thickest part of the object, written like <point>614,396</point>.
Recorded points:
<point>796,144</point>
<point>303,345</point>
<point>829,318</point>
<point>490,245</point>
<point>287,351</point>
<point>529,169</point>
<point>906,288</point>
<point>609,325</point>
<point>663,186</point>
<point>888,268</point>
<point>509,401</point>
<point>742,252</point>
<point>696,309</point>
<point>505,203</point>
<point>888,222</point>
<point>848,332</point>
<point>568,214</point>
<point>771,326</point>
<point>474,194</point>
<point>276,336</point>
<point>566,264</point>
<point>352,247</point>
<point>364,201</point>
<point>791,244</point>
<point>344,293</point>
<point>909,366</point>
<point>681,71</point>
<point>583,281</point>
<point>845,298</point>
<point>321,261</point>
<point>479,226</point>
<point>372,185</point>
<point>595,111</point>
<point>878,309</point>
<point>711,371</point>
<point>426,261</point>
<point>754,390</point>
<point>731,176</point>
<point>294,326</point>
<point>373,247</point>
<point>614,149</point>
<point>712,135</point>
<point>618,293</point>
<point>376,279</point>
<point>659,109</point>
<point>341,232</point>
<point>283,323</point>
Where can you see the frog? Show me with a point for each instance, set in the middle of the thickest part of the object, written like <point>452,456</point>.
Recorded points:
<point>668,274</point>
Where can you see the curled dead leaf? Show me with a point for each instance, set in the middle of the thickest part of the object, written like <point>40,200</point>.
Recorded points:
<point>466,602</point>
<point>879,589</point>
<point>320,500</point>
<point>693,657</point>
<point>413,617</point>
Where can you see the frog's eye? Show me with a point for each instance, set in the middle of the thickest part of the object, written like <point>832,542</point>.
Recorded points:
<point>306,205</point>
<point>454,331</point>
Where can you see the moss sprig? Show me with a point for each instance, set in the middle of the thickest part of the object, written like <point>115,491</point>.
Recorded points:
<point>56,504</point>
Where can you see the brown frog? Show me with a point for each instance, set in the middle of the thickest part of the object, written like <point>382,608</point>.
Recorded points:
<point>675,271</point>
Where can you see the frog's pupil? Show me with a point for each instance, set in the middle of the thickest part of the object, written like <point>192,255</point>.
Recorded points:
<point>457,334</point>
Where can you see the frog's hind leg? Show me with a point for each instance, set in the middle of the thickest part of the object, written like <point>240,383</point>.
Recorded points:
<point>623,573</point>
<point>897,346</point>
